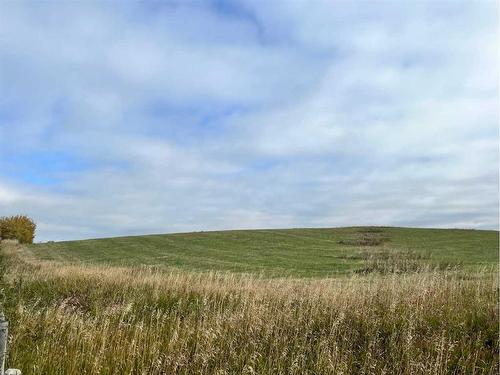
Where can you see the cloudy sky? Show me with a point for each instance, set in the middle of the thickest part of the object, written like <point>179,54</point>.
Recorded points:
<point>163,116</point>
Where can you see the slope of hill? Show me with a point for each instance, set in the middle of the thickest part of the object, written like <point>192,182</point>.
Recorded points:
<point>75,315</point>
<point>287,252</point>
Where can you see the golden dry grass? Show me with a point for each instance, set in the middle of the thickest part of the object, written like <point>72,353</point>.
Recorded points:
<point>75,319</point>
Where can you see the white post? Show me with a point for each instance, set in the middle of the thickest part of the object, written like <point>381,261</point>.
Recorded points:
<point>4,335</point>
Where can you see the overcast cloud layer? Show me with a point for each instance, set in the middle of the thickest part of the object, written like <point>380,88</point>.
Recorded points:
<point>158,117</point>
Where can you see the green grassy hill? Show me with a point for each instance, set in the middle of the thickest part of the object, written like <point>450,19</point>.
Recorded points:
<point>288,252</point>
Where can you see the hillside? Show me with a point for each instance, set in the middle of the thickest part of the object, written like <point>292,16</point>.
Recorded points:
<point>77,315</point>
<point>295,252</point>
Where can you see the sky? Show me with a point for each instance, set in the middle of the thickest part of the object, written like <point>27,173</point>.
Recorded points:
<point>124,118</point>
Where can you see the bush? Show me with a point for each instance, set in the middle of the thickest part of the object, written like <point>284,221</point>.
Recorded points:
<point>19,227</point>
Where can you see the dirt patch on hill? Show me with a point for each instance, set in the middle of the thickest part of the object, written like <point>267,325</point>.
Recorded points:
<point>366,237</point>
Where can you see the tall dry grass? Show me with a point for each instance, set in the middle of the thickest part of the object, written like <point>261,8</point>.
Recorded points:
<point>73,319</point>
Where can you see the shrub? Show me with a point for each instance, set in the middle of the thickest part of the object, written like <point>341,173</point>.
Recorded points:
<point>19,227</point>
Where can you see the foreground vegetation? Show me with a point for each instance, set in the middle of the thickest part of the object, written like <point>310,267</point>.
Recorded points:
<point>392,318</point>
<point>282,253</point>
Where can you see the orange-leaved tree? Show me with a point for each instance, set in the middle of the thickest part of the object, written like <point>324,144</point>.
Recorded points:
<point>18,227</point>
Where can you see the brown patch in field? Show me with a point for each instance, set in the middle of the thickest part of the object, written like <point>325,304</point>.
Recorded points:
<point>367,237</point>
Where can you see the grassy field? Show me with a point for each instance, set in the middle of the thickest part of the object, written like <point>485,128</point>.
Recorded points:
<point>409,301</point>
<point>291,252</point>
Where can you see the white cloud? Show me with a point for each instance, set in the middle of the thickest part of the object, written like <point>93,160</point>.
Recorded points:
<point>276,114</point>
